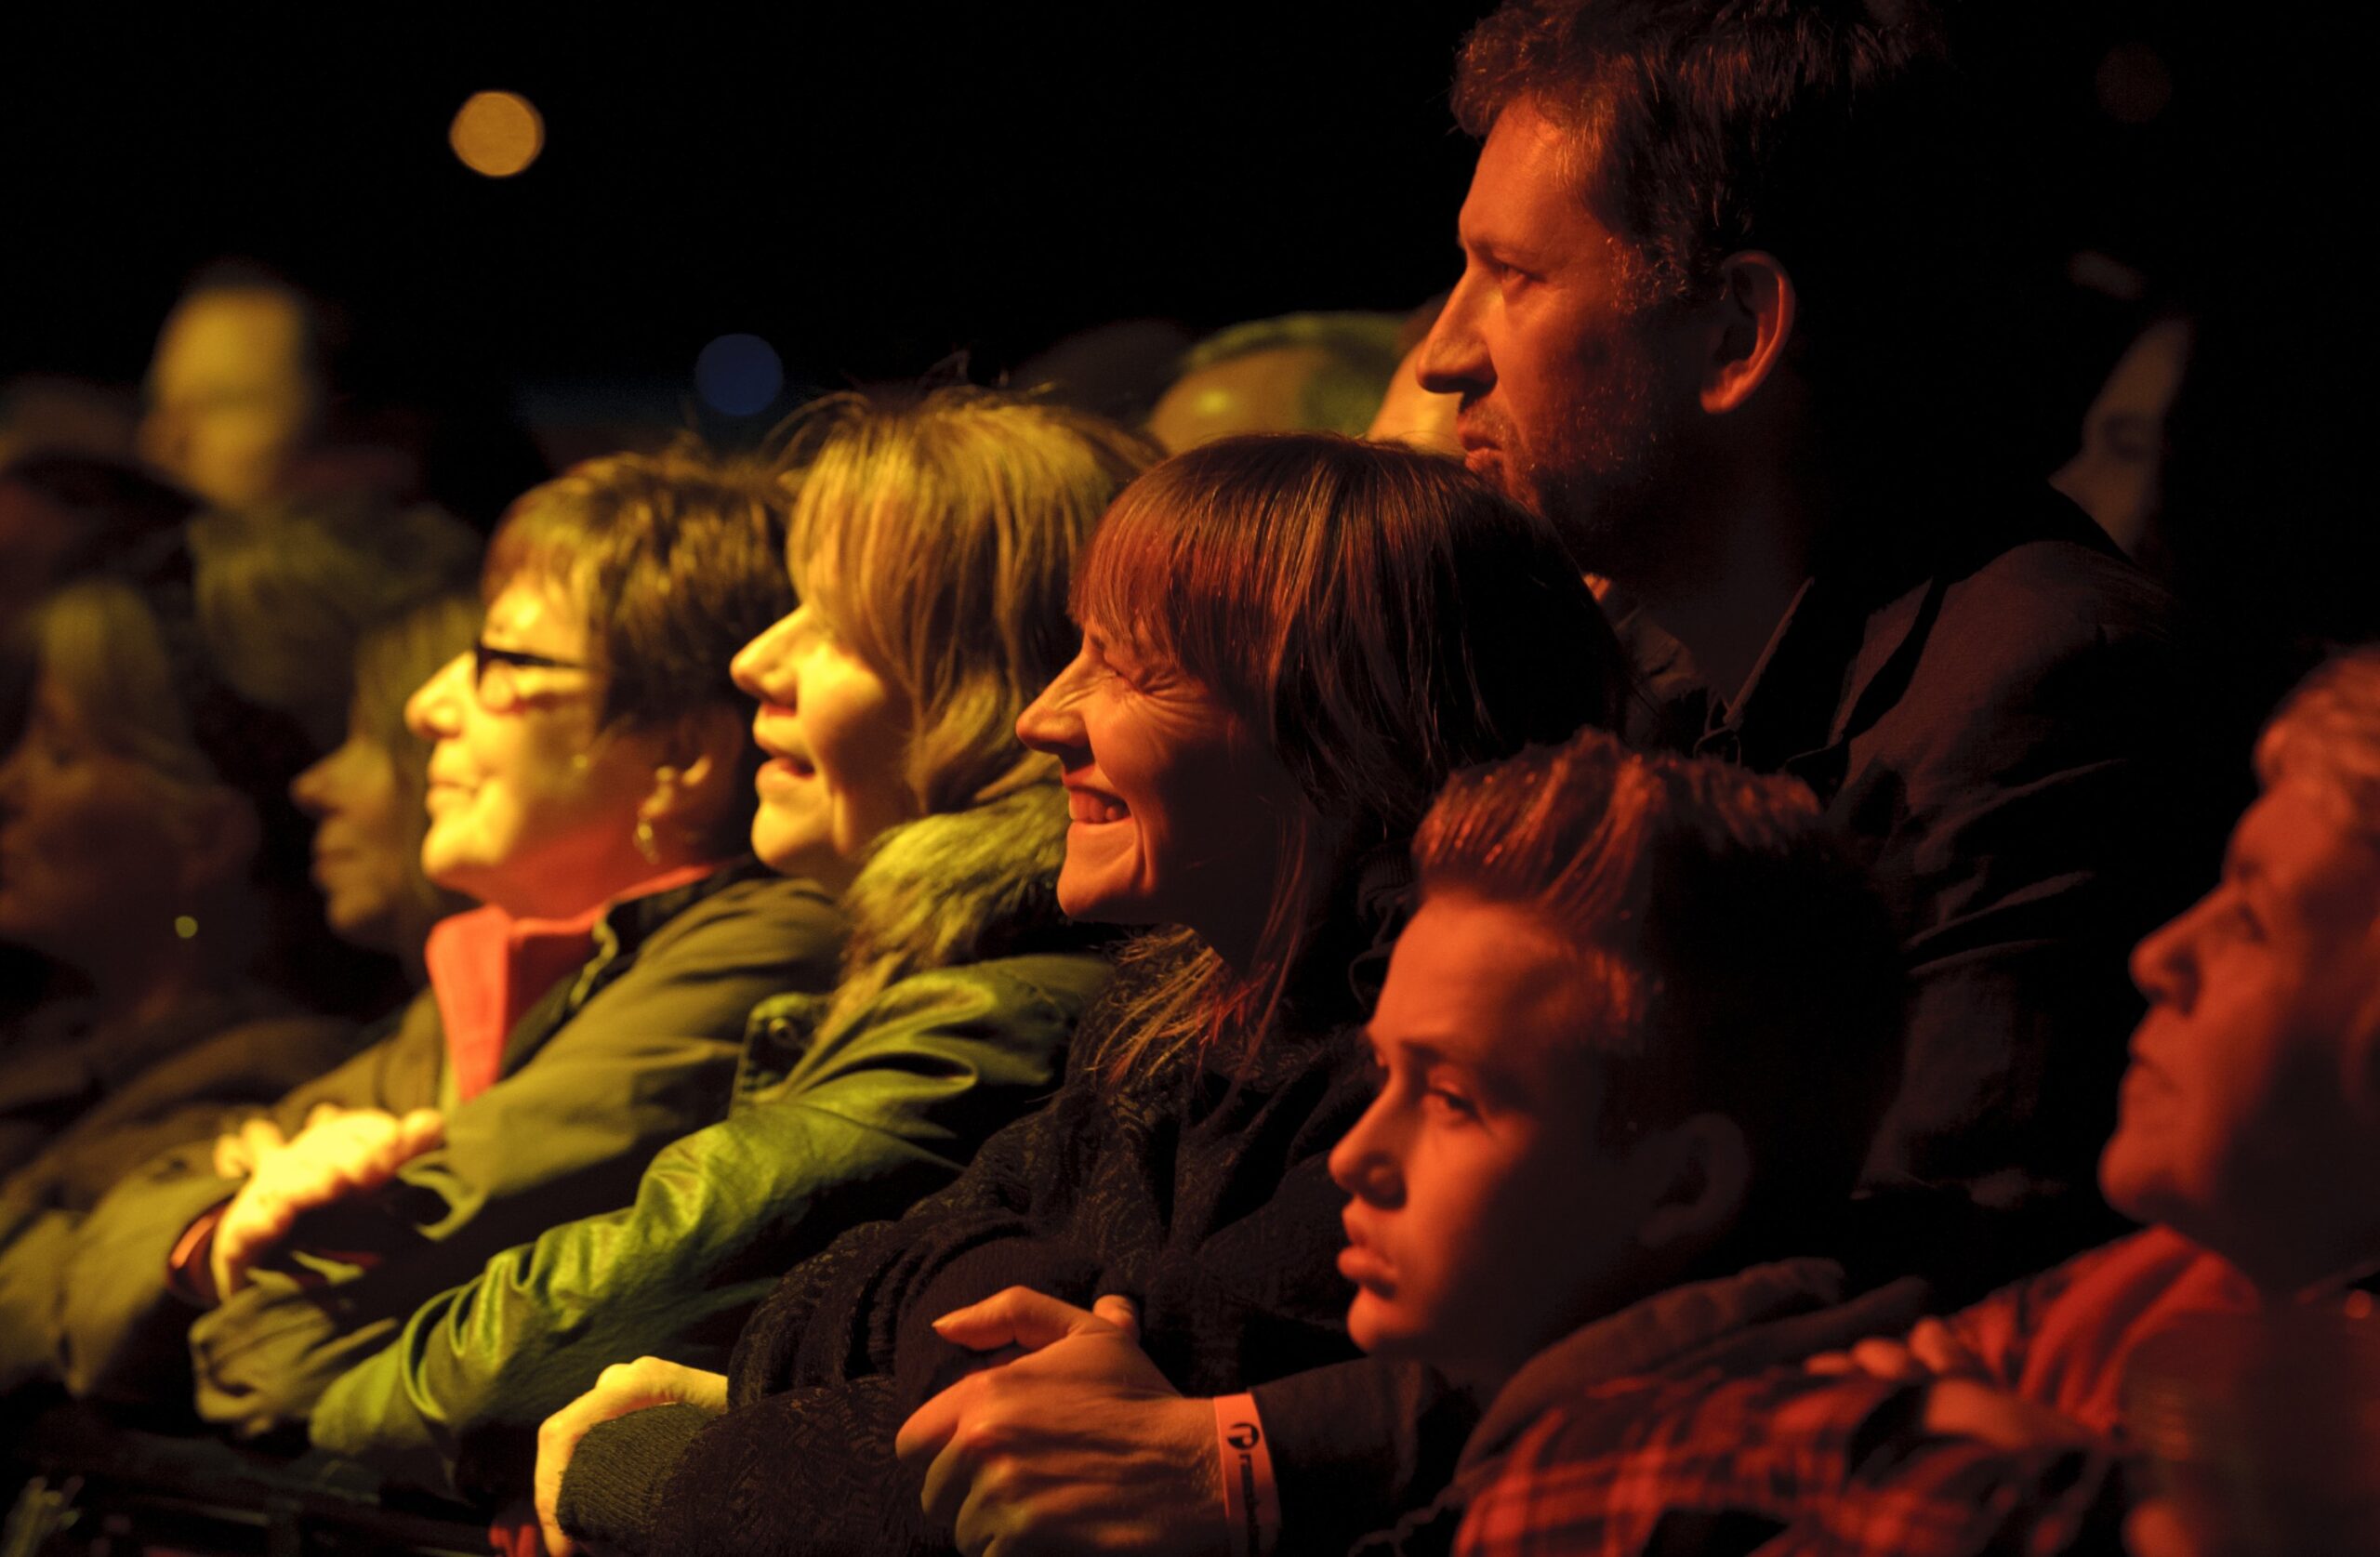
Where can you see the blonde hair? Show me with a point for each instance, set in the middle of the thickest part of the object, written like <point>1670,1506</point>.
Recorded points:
<point>2328,730</point>
<point>937,531</point>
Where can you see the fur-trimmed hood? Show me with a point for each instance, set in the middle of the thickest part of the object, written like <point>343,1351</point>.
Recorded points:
<point>956,888</point>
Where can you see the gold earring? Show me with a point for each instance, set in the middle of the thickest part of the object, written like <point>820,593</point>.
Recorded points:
<point>646,843</point>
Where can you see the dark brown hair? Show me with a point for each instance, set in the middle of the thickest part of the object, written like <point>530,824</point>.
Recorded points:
<point>1732,959</point>
<point>1832,134</point>
<point>1378,619</point>
<point>678,560</point>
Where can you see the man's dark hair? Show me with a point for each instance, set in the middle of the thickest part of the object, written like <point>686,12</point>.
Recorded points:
<point>1832,134</point>
<point>1731,958</point>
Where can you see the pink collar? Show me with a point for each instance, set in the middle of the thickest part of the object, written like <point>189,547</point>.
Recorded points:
<point>487,969</point>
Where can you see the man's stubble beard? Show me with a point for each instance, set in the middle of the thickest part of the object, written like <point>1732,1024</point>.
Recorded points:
<point>1613,488</point>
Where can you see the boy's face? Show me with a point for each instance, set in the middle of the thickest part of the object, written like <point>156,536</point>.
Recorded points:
<point>2250,1118</point>
<point>1487,1220</point>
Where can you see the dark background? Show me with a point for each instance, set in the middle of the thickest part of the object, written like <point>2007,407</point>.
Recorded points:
<point>871,186</point>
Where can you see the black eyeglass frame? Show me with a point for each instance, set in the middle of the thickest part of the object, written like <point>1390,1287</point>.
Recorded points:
<point>485,654</point>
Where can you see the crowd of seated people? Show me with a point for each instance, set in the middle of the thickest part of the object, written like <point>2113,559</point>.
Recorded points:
<point>965,982</point>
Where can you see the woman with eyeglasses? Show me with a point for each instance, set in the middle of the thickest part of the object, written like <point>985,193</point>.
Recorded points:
<point>590,783</point>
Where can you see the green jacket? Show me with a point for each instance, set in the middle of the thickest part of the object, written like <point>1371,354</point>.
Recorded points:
<point>638,1047</point>
<point>964,986</point>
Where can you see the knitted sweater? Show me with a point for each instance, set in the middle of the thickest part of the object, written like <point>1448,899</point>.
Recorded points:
<point>1205,1197</point>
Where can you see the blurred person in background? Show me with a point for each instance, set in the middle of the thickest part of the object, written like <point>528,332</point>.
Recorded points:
<point>366,796</point>
<point>1116,370</point>
<point>365,799</point>
<point>262,391</point>
<point>1300,373</point>
<point>590,783</point>
<point>129,828</point>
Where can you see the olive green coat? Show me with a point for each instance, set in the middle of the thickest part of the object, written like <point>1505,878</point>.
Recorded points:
<point>635,1049</point>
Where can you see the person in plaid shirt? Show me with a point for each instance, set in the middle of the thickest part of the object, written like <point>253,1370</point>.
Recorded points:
<point>2248,1140</point>
<point>1631,1046</point>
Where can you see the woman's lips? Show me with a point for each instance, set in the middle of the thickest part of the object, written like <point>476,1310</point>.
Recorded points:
<point>1366,1269</point>
<point>1089,805</point>
<point>786,768</point>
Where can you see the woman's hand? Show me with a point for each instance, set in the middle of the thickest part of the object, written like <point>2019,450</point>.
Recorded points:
<point>341,1152</point>
<point>1079,1444</point>
<point>620,1389</point>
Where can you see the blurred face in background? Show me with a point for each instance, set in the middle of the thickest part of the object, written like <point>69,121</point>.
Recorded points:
<point>837,738</point>
<point>2117,475</point>
<point>91,853</point>
<point>365,854</point>
<point>232,402</point>
<point>533,804</point>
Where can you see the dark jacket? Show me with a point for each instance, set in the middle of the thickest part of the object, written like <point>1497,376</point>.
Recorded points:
<point>635,1049</point>
<point>79,1104</point>
<point>1204,1197</point>
<point>840,1117</point>
<point>103,1100</point>
<point>1998,715</point>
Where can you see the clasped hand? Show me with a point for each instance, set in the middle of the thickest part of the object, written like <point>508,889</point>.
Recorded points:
<point>1079,1443</point>
<point>620,1389</point>
<point>339,1153</point>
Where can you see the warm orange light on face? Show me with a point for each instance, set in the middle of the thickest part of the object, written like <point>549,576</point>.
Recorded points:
<point>496,133</point>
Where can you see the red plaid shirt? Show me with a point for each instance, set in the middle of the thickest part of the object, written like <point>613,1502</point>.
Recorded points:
<point>1785,1464</point>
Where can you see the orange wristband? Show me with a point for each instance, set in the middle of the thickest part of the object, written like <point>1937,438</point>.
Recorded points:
<point>1251,1500</point>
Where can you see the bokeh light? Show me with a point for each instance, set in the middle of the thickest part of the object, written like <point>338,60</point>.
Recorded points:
<point>738,376</point>
<point>496,133</point>
<point>2133,84</point>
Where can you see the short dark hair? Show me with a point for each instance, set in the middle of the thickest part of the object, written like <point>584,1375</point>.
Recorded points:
<point>678,560</point>
<point>1833,134</point>
<point>1733,959</point>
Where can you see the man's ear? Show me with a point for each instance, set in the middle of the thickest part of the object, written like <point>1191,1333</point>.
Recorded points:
<point>220,836</point>
<point>691,792</point>
<point>1700,1173</point>
<point>1752,322</point>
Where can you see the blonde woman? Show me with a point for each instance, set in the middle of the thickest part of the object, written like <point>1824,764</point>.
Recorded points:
<point>933,542</point>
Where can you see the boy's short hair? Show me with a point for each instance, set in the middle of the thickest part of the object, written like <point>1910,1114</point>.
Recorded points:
<point>1733,959</point>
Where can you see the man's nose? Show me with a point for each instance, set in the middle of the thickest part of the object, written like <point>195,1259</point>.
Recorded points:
<point>1454,358</point>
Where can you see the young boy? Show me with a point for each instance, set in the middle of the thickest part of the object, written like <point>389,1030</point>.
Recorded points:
<point>1633,1045</point>
<point>2248,1141</point>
